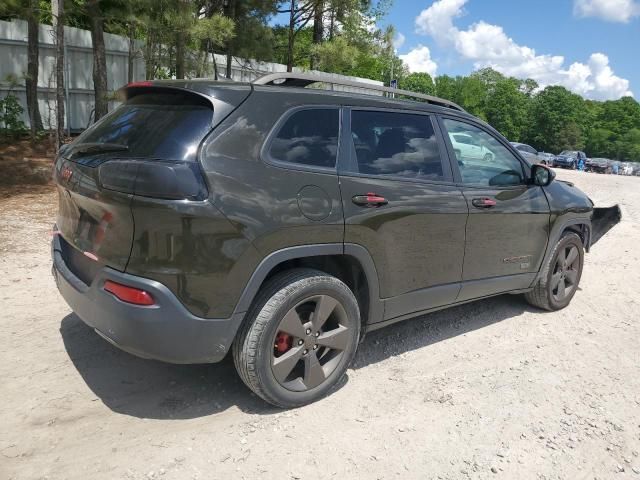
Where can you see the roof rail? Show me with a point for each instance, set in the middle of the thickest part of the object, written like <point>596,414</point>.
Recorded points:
<point>289,79</point>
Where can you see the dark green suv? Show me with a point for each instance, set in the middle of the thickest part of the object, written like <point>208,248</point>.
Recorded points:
<point>280,223</point>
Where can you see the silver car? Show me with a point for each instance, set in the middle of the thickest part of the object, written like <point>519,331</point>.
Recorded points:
<point>530,153</point>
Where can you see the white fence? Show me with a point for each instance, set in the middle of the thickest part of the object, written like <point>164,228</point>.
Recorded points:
<point>79,70</point>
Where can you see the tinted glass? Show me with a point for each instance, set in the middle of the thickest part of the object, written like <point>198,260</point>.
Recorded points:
<point>487,162</point>
<point>155,125</point>
<point>308,137</point>
<point>399,144</point>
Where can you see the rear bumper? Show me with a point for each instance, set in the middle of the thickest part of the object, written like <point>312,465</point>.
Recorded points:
<point>166,331</point>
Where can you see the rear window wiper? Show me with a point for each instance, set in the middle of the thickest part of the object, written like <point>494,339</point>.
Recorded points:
<point>98,148</point>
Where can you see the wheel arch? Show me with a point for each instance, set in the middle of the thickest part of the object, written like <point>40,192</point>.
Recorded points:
<point>350,263</point>
<point>580,226</point>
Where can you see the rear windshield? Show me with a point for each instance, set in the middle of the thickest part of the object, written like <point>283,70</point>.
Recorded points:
<point>166,125</point>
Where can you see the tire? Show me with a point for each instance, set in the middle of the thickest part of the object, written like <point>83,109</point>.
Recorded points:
<point>574,166</point>
<point>286,327</point>
<point>547,292</point>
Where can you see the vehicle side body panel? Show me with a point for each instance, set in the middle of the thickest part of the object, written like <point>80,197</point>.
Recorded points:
<point>204,261</point>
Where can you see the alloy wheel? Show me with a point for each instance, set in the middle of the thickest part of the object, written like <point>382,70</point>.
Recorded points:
<point>310,342</point>
<point>565,273</point>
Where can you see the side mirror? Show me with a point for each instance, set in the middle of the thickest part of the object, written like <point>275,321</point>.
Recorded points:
<point>542,175</point>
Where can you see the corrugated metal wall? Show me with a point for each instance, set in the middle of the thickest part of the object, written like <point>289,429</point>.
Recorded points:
<point>79,64</point>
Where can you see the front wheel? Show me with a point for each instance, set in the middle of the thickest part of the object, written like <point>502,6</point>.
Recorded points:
<point>299,338</point>
<point>561,275</point>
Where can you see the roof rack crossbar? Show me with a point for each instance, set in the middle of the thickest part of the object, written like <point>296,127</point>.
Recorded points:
<point>289,79</point>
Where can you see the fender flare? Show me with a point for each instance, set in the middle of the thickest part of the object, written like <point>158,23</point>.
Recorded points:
<point>361,254</point>
<point>555,235</point>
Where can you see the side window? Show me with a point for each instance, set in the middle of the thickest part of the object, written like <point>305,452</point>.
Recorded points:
<point>397,144</point>
<point>489,164</point>
<point>308,137</point>
<point>531,150</point>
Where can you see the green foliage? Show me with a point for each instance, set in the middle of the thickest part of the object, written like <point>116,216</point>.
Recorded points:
<point>551,119</point>
<point>216,29</point>
<point>558,118</point>
<point>419,82</point>
<point>10,116</point>
<point>336,56</point>
<point>507,109</point>
<point>301,47</point>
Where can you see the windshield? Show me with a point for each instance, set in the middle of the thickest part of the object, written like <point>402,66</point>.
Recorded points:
<point>158,124</point>
<point>569,153</point>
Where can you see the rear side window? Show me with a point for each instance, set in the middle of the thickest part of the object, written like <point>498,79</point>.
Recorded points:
<point>156,124</point>
<point>308,137</point>
<point>395,144</point>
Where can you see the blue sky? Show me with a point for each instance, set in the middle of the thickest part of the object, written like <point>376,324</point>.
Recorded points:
<point>589,46</point>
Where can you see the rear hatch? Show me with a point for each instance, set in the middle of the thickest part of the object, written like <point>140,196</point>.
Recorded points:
<point>148,147</point>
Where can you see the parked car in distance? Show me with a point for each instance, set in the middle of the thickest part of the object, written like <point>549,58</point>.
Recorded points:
<point>467,147</point>
<point>569,159</point>
<point>547,158</point>
<point>528,152</point>
<point>278,224</point>
<point>598,165</point>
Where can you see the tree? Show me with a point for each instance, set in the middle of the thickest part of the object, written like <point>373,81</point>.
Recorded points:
<point>336,56</point>
<point>446,87</point>
<point>557,120</point>
<point>99,59</point>
<point>300,13</point>
<point>213,31</point>
<point>31,80</point>
<point>419,82</point>
<point>507,108</point>
<point>257,39</point>
<point>31,11</point>
<point>301,48</point>
<point>58,27</point>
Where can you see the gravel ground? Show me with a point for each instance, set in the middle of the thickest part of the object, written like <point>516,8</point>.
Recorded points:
<point>493,389</point>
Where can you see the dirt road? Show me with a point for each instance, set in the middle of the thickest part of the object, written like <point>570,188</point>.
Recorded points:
<point>493,389</point>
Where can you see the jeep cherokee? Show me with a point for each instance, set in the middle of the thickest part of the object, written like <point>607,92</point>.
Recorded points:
<point>280,223</point>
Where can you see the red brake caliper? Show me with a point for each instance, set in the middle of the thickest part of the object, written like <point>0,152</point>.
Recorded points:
<point>283,342</point>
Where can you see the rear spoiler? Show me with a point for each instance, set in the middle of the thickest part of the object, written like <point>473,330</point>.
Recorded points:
<point>603,220</point>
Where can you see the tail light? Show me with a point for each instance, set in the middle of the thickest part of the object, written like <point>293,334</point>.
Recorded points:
<point>157,179</point>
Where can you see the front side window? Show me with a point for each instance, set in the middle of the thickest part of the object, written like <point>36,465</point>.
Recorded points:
<point>484,162</point>
<point>395,144</point>
<point>308,137</point>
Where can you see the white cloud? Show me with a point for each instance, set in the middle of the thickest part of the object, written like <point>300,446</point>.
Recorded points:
<point>398,42</point>
<point>610,10</point>
<point>419,60</point>
<point>489,46</point>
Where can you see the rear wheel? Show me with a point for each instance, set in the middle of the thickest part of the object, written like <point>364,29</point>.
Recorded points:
<point>561,276</point>
<point>299,338</point>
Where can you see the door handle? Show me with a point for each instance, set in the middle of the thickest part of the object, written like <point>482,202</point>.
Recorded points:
<point>483,202</point>
<point>369,200</point>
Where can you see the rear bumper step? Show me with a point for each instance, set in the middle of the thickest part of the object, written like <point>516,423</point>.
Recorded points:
<point>166,331</point>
